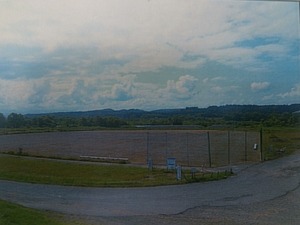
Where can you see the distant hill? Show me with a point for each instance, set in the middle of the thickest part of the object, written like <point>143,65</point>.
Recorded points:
<point>226,111</point>
<point>126,114</point>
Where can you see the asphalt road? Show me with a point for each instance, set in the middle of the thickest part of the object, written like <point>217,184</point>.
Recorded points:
<point>265,193</point>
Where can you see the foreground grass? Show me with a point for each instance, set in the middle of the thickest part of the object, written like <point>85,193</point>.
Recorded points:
<point>26,169</point>
<point>11,214</point>
<point>32,170</point>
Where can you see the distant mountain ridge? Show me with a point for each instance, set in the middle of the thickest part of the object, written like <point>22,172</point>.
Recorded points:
<point>124,113</point>
<point>211,111</point>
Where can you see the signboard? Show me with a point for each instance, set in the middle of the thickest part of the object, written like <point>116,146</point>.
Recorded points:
<point>171,163</point>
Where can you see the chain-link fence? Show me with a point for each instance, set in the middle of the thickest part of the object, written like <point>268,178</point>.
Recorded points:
<point>189,148</point>
<point>208,149</point>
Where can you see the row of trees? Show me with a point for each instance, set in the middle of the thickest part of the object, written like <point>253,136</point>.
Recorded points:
<point>284,119</point>
<point>15,120</point>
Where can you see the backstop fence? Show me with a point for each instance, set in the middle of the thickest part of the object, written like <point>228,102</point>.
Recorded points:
<point>208,149</point>
<point>189,148</point>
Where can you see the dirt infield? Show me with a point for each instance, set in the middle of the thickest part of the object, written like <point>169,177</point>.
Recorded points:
<point>190,148</point>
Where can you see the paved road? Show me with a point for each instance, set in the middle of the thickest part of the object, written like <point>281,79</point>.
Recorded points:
<point>267,188</point>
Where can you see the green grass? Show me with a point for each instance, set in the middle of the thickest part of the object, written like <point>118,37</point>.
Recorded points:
<point>33,170</point>
<point>11,214</point>
<point>278,142</point>
<point>78,174</point>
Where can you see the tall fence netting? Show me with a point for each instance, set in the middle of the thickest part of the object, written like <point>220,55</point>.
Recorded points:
<point>189,148</point>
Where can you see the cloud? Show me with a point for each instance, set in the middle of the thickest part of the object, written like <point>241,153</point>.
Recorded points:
<point>257,86</point>
<point>217,89</point>
<point>140,31</point>
<point>40,93</point>
<point>183,87</point>
<point>294,92</point>
<point>121,92</point>
<point>213,79</point>
<point>89,53</point>
<point>15,93</point>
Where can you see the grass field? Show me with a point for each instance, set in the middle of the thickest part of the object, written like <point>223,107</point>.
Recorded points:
<point>36,170</point>
<point>280,141</point>
<point>32,170</point>
<point>11,214</point>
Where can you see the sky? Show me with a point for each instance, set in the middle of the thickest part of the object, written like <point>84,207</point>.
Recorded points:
<point>81,55</point>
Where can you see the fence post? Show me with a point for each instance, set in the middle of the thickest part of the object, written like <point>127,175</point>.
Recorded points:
<point>208,146</point>
<point>166,144</point>
<point>246,147</point>
<point>261,144</point>
<point>187,149</point>
<point>228,147</point>
<point>147,146</point>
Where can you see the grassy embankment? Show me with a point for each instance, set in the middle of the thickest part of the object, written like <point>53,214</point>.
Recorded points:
<point>12,214</point>
<point>278,142</point>
<point>33,170</point>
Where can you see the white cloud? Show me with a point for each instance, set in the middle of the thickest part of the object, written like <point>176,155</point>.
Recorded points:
<point>213,79</point>
<point>14,94</point>
<point>122,92</point>
<point>257,86</point>
<point>217,89</point>
<point>217,78</point>
<point>205,80</point>
<point>294,92</point>
<point>184,86</point>
<point>78,54</point>
<point>142,29</point>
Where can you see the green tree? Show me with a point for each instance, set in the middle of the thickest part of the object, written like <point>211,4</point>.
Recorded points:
<point>46,121</point>
<point>2,121</point>
<point>15,120</point>
<point>176,120</point>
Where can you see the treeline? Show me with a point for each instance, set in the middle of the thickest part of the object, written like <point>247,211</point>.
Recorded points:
<point>188,117</point>
<point>236,120</point>
<point>15,120</point>
<point>228,115</point>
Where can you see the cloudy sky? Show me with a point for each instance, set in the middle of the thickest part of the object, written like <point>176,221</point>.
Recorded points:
<point>63,55</point>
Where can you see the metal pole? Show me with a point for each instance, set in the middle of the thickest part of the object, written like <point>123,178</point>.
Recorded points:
<point>166,145</point>
<point>228,147</point>
<point>261,144</point>
<point>208,146</point>
<point>147,147</point>
<point>246,146</point>
<point>187,149</point>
